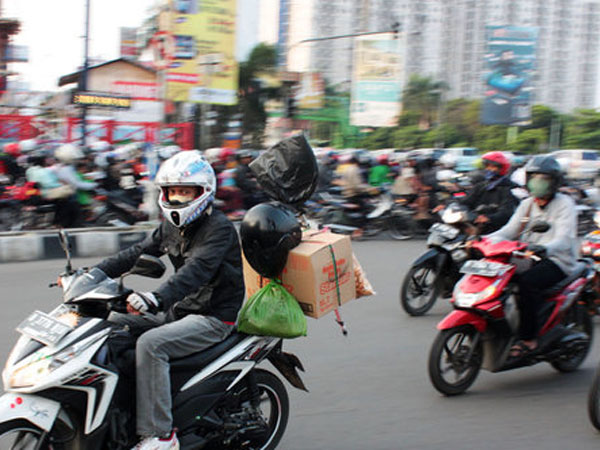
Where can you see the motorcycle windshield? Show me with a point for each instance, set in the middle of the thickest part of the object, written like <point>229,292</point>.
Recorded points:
<point>94,280</point>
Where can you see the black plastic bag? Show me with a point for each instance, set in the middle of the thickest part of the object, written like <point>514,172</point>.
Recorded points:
<point>288,171</point>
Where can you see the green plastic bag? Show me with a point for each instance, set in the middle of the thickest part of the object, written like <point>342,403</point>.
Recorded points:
<point>272,311</point>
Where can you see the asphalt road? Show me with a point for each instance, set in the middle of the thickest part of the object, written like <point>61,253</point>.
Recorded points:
<point>370,390</point>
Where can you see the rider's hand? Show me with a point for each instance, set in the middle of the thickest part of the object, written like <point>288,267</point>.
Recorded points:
<point>143,302</point>
<point>59,281</point>
<point>482,219</point>
<point>437,208</point>
<point>535,249</point>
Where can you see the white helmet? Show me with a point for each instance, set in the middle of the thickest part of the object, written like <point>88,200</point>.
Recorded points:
<point>186,168</point>
<point>68,153</point>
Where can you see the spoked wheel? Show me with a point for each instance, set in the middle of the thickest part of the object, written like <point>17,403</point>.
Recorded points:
<point>455,359</point>
<point>579,320</point>
<point>266,423</point>
<point>22,435</point>
<point>401,227</point>
<point>420,289</point>
<point>594,401</point>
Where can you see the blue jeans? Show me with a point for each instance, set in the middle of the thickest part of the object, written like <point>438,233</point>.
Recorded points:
<point>158,343</point>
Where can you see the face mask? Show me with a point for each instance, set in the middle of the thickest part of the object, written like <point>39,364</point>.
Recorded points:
<point>179,199</point>
<point>539,187</point>
<point>489,175</point>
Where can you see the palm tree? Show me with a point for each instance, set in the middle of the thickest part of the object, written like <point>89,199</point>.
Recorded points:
<point>424,95</point>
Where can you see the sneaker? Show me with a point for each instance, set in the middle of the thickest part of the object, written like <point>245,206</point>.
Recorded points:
<point>155,443</point>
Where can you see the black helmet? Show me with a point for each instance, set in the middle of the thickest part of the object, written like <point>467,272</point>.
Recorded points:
<point>269,231</point>
<point>546,165</point>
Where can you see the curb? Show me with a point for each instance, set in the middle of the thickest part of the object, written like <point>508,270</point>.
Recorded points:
<point>85,242</point>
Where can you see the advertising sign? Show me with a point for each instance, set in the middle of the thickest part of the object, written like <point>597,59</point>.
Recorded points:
<point>310,92</point>
<point>510,60</point>
<point>101,99</point>
<point>377,81</point>
<point>203,67</point>
<point>128,45</point>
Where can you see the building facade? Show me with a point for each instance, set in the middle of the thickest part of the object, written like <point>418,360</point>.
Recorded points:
<point>445,40</point>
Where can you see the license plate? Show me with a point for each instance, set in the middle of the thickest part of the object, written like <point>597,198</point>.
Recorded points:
<point>43,328</point>
<point>484,268</point>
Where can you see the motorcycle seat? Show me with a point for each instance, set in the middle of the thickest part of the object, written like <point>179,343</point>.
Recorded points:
<point>578,271</point>
<point>201,359</point>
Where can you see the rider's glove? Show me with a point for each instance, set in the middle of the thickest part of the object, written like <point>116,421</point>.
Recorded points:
<point>144,302</point>
<point>537,249</point>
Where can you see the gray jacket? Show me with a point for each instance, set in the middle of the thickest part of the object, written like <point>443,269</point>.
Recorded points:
<point>560,240</point>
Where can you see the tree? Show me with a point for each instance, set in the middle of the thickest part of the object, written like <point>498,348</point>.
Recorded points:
<point>424,95</point>
<point>262,60</point>
<point>583,130</point>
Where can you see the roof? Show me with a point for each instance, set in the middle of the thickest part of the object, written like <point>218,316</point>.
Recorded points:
<point>74,77</point>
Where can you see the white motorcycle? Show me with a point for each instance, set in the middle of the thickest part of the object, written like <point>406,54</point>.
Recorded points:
<point>70,380</point>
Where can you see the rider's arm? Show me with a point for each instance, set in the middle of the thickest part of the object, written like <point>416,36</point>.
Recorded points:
<point>512,229</point>
<point>123,261</point>
<point>564,222</point>
<point>201,267</point>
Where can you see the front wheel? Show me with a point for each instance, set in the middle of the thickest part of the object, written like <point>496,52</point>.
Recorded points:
<point>23,435</point>
<point>455,359</point>
<point>420,289</point>
<point>594,401</point>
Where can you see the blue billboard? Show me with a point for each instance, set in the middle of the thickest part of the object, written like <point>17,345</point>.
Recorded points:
<point>510,61</point>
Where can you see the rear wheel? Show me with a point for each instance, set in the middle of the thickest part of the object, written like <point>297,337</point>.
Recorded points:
<point>577,319</point>
<point>266,423</point>
<point>401,227</point>
<point>420,289</point>
<point>455,359</point>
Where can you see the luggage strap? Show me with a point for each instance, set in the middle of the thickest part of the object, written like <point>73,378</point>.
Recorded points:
<point>338,317</point>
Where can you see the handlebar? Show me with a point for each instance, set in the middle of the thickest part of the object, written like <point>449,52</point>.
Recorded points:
<point>524,255</point>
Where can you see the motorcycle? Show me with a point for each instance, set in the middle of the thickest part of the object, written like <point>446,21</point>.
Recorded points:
<point>483,326</point>
<point>435,272</point>
<point>381,214</point>
<point>70,384</point>
<point>590,248</point>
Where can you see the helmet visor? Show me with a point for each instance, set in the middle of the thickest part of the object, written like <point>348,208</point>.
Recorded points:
<point>181,196</point>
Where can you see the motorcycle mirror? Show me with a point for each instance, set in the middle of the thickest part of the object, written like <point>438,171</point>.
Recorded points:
<point>63,237</point>
<point>148,266</point>
<point>540,227</point>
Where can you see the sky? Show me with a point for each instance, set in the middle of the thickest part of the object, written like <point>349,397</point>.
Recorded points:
<point>53,30</point>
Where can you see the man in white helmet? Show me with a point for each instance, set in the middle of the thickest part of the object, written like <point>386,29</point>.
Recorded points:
<point>197,306</point>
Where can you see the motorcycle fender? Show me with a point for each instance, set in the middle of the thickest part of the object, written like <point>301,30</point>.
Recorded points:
<point>433,255</point>
<point>286,364</point>
<point>457,318</point>
<point>40,411</point>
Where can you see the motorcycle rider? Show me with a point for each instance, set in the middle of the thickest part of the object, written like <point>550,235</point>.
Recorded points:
<point>493,192</point>
<point>197,306</point>
<point>244,179</point>
<point>557,247</point>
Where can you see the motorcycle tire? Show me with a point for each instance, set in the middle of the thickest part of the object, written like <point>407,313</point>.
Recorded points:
<point>452,347</point>
<point>270,385</point>
<point>28,435</point>
<point>415,286</point>
<point>579,319</point>
<point>401,227</point>
<point>593,402</point>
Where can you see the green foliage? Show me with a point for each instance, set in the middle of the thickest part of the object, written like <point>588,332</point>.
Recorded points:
<point>530,141</point>
<point>583,131</point>
<point>424,95</point>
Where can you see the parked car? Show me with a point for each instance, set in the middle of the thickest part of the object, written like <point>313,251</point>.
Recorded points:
<point>463,159</point>
<point>579,163</point>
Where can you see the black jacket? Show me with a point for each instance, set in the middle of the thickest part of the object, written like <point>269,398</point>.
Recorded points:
<point>498,203</point>
<point>244,179</point>
<point>208,275</point>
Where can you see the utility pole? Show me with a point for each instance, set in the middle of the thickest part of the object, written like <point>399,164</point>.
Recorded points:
<point>84,72</point>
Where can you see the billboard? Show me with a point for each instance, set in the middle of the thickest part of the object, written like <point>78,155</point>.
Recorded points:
<point>377,81</point>
<point>128,45</point>
<point>310,91</point>
<point>510,61</point>
<point>202,68</point>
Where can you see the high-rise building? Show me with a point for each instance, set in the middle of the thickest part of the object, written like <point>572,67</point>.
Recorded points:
<point>446,41</point>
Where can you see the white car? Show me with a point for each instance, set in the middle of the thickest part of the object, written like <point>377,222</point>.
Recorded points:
<point>578,163</point>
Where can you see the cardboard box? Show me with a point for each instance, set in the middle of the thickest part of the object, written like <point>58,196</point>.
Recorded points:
<point>309,274</point>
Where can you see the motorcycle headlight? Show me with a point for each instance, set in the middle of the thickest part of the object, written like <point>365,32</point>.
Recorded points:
<point>586,250</point>
<point>466,300</point>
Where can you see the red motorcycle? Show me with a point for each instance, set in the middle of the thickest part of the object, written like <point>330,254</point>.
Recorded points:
<point>483,326</point>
